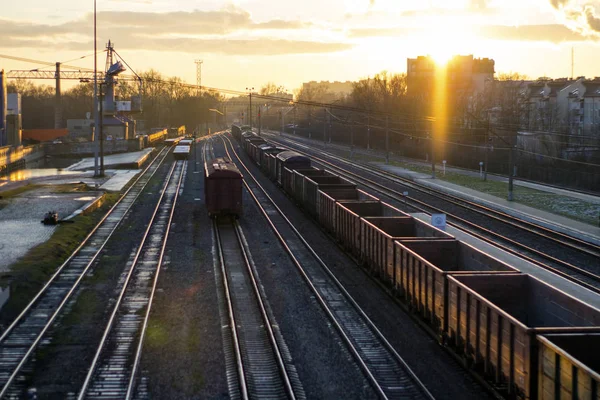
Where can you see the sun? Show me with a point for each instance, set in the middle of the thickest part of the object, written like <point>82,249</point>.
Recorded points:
<point>445,40</point>
<point>441,56</point>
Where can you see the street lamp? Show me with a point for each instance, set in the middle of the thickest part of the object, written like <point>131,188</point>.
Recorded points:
<point>96,121</point>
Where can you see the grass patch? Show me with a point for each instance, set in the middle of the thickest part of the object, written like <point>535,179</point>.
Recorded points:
<point>32,271</point>
<point>6,194</point>
<point>87,304</point>
<point>156,335</point>
<point>70,188</point>
<point>566,206</point>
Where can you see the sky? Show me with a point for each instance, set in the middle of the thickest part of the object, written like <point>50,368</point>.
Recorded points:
<point>247,43</point>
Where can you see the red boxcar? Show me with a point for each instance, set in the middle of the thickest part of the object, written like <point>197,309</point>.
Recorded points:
<point>223,187</point>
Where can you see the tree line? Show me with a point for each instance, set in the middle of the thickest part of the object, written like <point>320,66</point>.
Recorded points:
<point>165,101</point>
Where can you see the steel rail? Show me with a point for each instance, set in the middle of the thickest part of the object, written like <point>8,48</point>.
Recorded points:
<point>59,271</point>
<point>263,310</point>
<point>379,388</point>
<point>123,290</point>
<point>138,352</point>
<point>397,196</point>
<point>232,322</point>
<point>560,237</point>
<point>260,303</point>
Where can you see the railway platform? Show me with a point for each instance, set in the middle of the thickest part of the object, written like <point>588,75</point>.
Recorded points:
<point>563,284</point>
<point>113,161</point>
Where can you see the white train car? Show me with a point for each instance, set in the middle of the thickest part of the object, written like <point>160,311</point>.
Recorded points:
<point>181,152</point>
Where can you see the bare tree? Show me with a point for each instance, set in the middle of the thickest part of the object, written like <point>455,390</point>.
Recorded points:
<point>268,88</point>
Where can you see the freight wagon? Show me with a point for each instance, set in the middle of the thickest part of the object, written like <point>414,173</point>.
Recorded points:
<point>349,215</point>
<point>223,188</point>
<point>568,367</point>
<point>181,152</point>
<point>378,234</point>
<point>290,160</point>
<point>173,141</point>
<point>421,268</point>
<point>493,321</point>
<point>527,338</point>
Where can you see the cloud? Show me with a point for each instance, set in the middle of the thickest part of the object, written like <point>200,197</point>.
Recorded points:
<point>478,4</point>
<point>581,18</point>
<point>194,32</point>
<point>554,33</point>
<point>262,47</point>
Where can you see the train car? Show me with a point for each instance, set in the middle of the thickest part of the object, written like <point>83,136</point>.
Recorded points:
<point>246,128</point>
<point>236,132</point>
<point>272,165</point>
<point>348,220</point>
<point>181,152</point>
<point>297,181</point>
<point>223,188</point>
<point>261,150</point>
<point>252,147</point>
<point>312,185</point>
<point>173,141</point>
<point>327,199</point>
<point>567,369</point>
<point>290,160</point>
<point>421,268</point>
<point>486,311</point>
<point>186,142</point>
<point>493,321</point>
<point>378,235</point>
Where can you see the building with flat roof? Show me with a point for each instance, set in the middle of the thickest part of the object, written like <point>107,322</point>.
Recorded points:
<point>465,75</point>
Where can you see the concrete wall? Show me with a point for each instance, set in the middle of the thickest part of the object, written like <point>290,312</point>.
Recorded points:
<point>13,156</point>
<point>87,148</point>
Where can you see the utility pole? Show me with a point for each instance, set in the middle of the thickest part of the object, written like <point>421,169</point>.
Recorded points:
<point>329,124</point>
<point>259,120</point>
<point>368,132</point>
<point>96,121</point>
<point>351,140</point>
<point>572,62</point>
<point>199,75</point>
<point>57,100</point>
<point>101,173</point>
<point>282,123</point>
<point>387,140</point>
<point>294,120</point>
<point>324,126</point>
<point>511,168</point>
<point>433,152</point>
<point>487,149</point>
<point>309,121</point>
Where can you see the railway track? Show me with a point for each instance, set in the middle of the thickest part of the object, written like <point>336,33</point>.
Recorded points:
<point>113,371</point>
<point>19,341</point>
<point>574,259</point>
<point>388,373</point>
<point>263,368</point>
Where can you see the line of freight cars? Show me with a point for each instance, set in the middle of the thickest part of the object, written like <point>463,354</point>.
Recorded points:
<point>528,339</point>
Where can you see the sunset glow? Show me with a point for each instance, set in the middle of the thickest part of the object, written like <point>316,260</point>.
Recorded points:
<point>311,40</point>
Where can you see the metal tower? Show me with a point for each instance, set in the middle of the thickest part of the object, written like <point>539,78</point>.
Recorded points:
<point>199,74</point>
